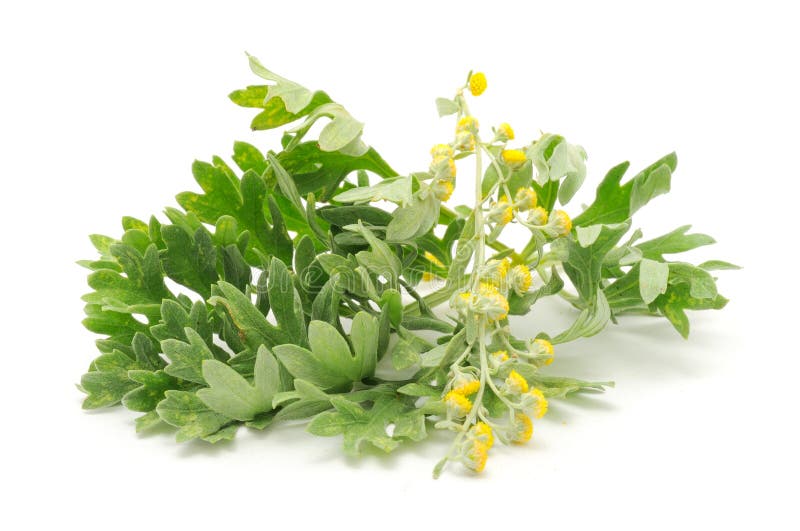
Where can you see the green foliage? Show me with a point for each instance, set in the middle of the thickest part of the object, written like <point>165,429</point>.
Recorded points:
<point>276,292</point>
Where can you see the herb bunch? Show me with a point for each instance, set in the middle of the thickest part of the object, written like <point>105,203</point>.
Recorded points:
<point>287,290</point>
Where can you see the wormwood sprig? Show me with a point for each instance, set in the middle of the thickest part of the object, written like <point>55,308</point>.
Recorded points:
<point>285,289</point>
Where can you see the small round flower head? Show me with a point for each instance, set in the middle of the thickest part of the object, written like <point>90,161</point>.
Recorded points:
<point>467,123</point>
<point>500,356</point>
<point>520,279</point>
<point>501,212</point>
<point>443,167</point>
<point>537,216</point>
<point>457,404</point>
<point>482,432</point>
<point>513,157</point>
<point>466,388</point>
<point>560,224</point>
<point>495,271</point>
<point>504,133</point>
<point>475,455</point>
<point>491,302</point>
<point>442,189</point>
<point>477,83</point>
<point>541,403</point>
<point>516,384</point>
<point>441,150</point>
<point>461,302</point>
<point>522,429</point>
<point>465,141</point>
<point>525,199</point>
<point>544,348</point>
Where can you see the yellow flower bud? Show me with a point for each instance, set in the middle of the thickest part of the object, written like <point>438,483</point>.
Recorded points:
<point>477,83</point>
<point>441,150</point>
<point>443,167</point>
<point>475,455</point>
<point>442,189</point>
<point>516,384</point>
<point>465,141</point>
<point>467,123</point>
<point>522,430</point>
<point>540,409</point>
<point>525,199</point>
<point>537,216</point>
<point>504,133</point>
<point>501,212</point>
<point>520,279</point>
<point>513,157</point>
<point>483,432</point>
<point>560,224</point>
<point>467,388</point>
<point>457,404</point>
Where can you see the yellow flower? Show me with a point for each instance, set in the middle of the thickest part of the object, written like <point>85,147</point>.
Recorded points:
<point>441,150</point>
<point>520,279</point>
<point>468,388</point>
<point>501,212</point>
<point>491,302</point>
<point>442,189</point>
<point>525,199</point>
<point>467,123</point>
<point>483,433</point>
<point>495,271</point>
<point>513,157</point>
<point>541,403</point>
<point>516,383</point>
<point>457,404</point>
<point>561,223</point>
<point>545,347</point>
<point>477,83</point>
<point>443,167</point>
<point>504,132</point>
<point>523,429</point>
<point>537,216</point>
<point>476,455</point>
<point>500,355</point>
<point>465,141</point>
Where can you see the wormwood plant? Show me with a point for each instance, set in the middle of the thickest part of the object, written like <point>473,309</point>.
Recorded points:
<point>277,293</point>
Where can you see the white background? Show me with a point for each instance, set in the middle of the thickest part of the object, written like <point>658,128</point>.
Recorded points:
<point>105,105</point>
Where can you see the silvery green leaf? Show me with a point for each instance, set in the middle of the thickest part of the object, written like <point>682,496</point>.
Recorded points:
<point>590,321</point>
<point>673,242</point>
<point>568,161</point>
<point>396,190</point>
<point>286,183</point>
<point>295,97</point>
<point>653,278</point>
<point>186,359</point>
<point>414,220</point>
<point>446,106</point>
<point>715,265</point>
<point>231,395</point>
<point>364,338</point>
<point>404,355</point>
<point>588,235</point>
<point>340,132</point>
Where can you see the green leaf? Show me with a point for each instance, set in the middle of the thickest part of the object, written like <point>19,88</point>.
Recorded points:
<point>295,97</point>
<point>186,359</point>
<point>584,264</point>
<point>105,388</point>
<point>231,395</point>
<point>653,278</point>
<point>592,320</point>
<point>716,265</point>
<point>521,305</point>
<point>395,189</point>
<point>249,323</point>
<point>330,364</point>
<point>286,304</point>
<point>320,172</point>
<point>404,355</point>
<point>446,107</point>
<point>191,261</point>
<point>364,338</point>
<point>249,157</point>
<point>151,391</point>
<point>185,411</point>
<point>614,203</point>
<point>380,260</point>
<point>676,241</point>
<point>678,298</point>
<point>412,221</point>
<point>368,426</point>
